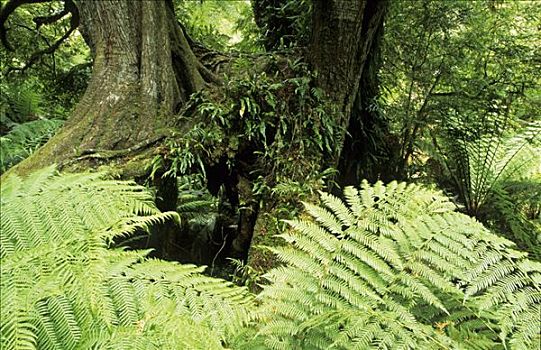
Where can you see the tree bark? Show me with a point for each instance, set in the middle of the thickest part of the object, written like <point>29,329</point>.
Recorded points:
<point>370,151</point>
<point>344,34</point>
<point>143,71</point>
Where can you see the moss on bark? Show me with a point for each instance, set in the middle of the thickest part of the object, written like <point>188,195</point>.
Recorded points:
<point>270,127</point>
<point>143,71</point>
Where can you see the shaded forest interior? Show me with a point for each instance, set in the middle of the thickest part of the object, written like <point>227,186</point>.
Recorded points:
<point>367,151</point>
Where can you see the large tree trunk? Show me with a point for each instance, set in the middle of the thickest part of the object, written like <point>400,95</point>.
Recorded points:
<point>143,71</point>
<point>344,34</point>
<point>370,150</point>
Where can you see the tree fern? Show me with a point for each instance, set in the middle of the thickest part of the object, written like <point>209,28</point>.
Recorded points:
<point>194,204</point>
<point>62,288</point>
<point>484,163</point>
<point>22,102</point>
<point>395,267</point>
<point>480,160</point>
<point>24,139</point>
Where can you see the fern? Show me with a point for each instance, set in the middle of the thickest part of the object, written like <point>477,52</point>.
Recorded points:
<point>484,164</point>
<point>23,102</point>
<point>194,203</point>
<point>479,161</point>
<point>24,139</point>
<point>62,288</point>
<point>395,267</point>
<point>514,209</point>
<point>388,267</point>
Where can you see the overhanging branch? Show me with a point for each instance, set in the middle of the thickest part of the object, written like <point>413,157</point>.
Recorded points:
<point>69,7</point>
<point>41,20</point>
<point>7,10</point>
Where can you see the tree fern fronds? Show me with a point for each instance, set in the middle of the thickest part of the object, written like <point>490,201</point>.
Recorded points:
<point>67,290</point>
<point>366,194</point>
<point>430,274</point>
<point>480,162</point>
<point>344,214</point>
<point>24,101</point>
<point>490,276</point>
<point>324,217</point>
<point>216,303</point>
<point>24,139</point>
<point>528,329</point>
<point>299,259</point>
<point>17,329</point>
<point>361,253</point>
<point>352,199</point>
<point>386,250</point>
<point>315,232</point>
<point>429,277</point>
<point>307,245</point>
<point>470,339</point>
<point>57,319</point>
<point>99,205</point>
<point>421,290</point>
<point>359,268</point>
<point>195,205</point>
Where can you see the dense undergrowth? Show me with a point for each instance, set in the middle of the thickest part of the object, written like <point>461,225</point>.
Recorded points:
<point>392,267</point>
<point>384,266</point>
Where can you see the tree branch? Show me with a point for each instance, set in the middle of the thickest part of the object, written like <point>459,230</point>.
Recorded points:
<point>41,20</point>
<point>7,10</point>
<point>70,7</point>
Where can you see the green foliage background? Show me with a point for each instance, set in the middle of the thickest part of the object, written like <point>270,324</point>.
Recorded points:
<point>395,266</point>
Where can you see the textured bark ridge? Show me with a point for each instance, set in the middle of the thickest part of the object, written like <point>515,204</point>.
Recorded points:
<point>368,149</point>
<point>342,36</point>
<point>144,70</point>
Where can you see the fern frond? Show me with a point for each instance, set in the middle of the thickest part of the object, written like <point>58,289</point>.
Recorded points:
<point>24,139</point>
<point>386,267</point>
<point>67,290</point>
